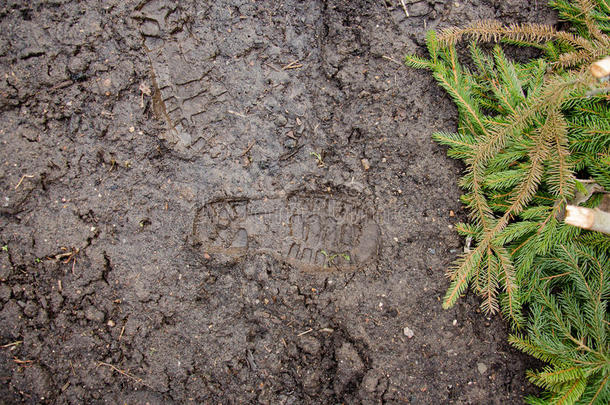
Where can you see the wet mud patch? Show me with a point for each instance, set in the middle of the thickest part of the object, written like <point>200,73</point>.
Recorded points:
<point>142,141</point>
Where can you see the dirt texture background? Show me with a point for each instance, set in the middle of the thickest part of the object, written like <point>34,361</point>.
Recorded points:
<point>235,201</point>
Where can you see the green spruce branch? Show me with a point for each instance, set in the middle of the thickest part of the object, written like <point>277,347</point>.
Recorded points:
<point>525,130</point>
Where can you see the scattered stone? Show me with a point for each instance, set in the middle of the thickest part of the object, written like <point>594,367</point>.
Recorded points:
<point>56,301</point>
<point>309,344</point>
<point>5,266</point>
<point>365,164</point>
<point>150,28</point>
<point>370,381</point>
<point>35,380</point>
<point>349,365</point>
<point>281,121</point>
<point>111,323</point>
<point>482,367</point>
<point>419,9</point>
<point>78,65</point>
<point>10,319</point>
<point>408,332</point>
<point>94,314</point>
<point>30,309</point>
<point>290,143</point>
<point>5,292</point>
<point>311,381</point>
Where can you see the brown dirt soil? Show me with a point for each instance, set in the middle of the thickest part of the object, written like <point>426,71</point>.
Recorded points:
<point>235,201</point>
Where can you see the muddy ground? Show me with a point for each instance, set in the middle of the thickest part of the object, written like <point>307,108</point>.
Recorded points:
<point>235,202</point>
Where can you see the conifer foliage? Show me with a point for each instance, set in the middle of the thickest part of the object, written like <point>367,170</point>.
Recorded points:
<point>535,136</point>
<point>569,326</point>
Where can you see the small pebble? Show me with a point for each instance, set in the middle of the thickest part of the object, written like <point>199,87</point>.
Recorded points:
<point>111,323</point>
<point>408,332</point>
<point>281,121</point>
<point>365,164</point>
<point>290,143</point>
<point>482,367</point>
<point>94,314</point>
<point>454,322</point>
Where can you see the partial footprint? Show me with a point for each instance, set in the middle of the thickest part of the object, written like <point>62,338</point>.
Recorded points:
<point>311,232</point>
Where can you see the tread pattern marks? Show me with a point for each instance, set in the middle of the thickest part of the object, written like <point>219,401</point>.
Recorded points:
<point>181,67</point>
<point>312,232</point>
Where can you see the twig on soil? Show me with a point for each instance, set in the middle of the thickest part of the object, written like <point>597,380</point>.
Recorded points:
<point>404,7</point>
<point>391,59</point>
<point>291,153</point>
<point>8,345</point>
<point>306,332</point>
<point>58,86</point>
<point>237,113</point>
<point>61,85</point>
<point>271,66</point>
<point>16,360</point>
<point>244,153</point>
<point>292,65</point>
<point>29,176</point>
<point>125,373</point>
<point>68,256</point>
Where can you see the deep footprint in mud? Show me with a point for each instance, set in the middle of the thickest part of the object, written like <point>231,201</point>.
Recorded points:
<point>311,232</point>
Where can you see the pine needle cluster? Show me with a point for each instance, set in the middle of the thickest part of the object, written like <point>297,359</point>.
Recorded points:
<point>533,136</point>
<point>569,326</point>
